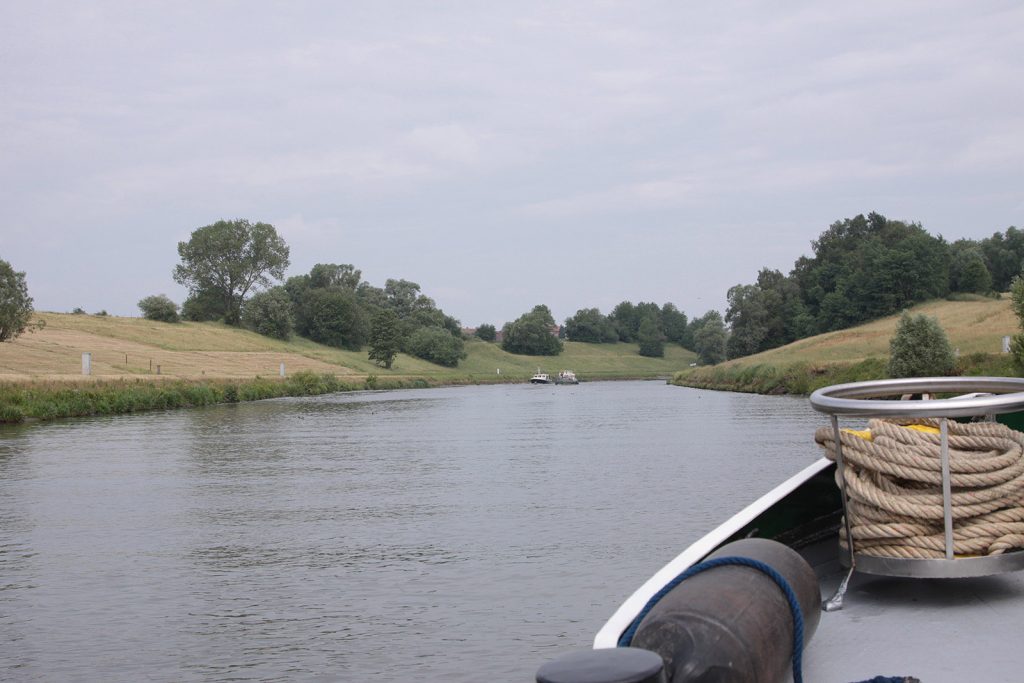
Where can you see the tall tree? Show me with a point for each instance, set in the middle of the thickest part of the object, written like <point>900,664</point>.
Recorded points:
<point>15,303</point>
<point>342,275</point>
<point>1004,257</point>
<point>709,338</point>
<point>674,323</point>
<point>385,342</point>
<point>651,338</point>
<point>869,267</point>
<point>626,321</point>
<point>588,325</point>
<point>227,259</point>
<point>532,334</point>
<point>967,269</point>
<point>748,320</point>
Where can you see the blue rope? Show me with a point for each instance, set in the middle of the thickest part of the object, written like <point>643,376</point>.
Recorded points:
<point>794,606</point>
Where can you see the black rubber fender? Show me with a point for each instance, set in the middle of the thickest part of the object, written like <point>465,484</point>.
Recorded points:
<point>733,624</point>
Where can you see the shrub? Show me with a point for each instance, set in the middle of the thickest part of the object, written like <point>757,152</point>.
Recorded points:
<point>531,334</point>
<point>920,348</point>
<point>437,345</point>
<point>202,306</point>
<point>652,341</point>
<point>487,332</point>
<point>269,313</point>
<point>158,307</point>
<point>15,303</point>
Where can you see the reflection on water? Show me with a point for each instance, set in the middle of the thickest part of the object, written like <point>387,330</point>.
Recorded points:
<point>446,534</point>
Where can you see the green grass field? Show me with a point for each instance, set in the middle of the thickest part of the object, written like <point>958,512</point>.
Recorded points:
<point>975,328</point>
<point>199,363</point>
<point>134,347</point>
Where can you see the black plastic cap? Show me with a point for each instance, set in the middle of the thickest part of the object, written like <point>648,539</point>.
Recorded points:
<point>611,665</point>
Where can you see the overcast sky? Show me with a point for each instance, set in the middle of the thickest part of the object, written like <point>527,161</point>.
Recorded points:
<point>501,155</point>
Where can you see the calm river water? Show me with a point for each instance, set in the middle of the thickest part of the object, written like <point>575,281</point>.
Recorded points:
<point>459,534</point>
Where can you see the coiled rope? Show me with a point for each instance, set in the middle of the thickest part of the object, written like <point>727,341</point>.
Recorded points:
<point>733,560</point>
<point>893,479</point>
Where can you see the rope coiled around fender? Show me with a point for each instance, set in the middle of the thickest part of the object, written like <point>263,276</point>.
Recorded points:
<point>894,488</point>
<point>732,560</point>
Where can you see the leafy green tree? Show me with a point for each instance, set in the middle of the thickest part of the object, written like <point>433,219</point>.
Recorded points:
<point>332,317</point>
<point>270,313</point>
<point>967,269</point>
<point>404,297</point>
<point>787,318</point>
<point>1017,303</point>
<point>748,320</point>
<point>1004,257</point>
<point>341,275</point>
<point>15,304</point>
<point>532,334</point>
<point>487,332</point>
<point>202,306</point>
<point>674,323</point>
<point>868,267</point>
<point>919,348</point>
<point>437,345</point>
<point>709,338</point>
<point>626,321</point>
<point>371,298</point>
<point>588,325</point>
<point>159,307</point>
<point>227,259</point>
<point>385,342</point>
<point>651,338</point>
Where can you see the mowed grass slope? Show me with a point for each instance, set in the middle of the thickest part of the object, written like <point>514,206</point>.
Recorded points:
<point>135,347</point>
<point>975,326</point>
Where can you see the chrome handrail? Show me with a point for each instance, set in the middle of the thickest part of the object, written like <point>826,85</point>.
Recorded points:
<point>860,399</point>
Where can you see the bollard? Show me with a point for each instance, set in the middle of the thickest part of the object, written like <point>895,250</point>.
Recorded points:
<point>86,363</point>
<point>282,369</point>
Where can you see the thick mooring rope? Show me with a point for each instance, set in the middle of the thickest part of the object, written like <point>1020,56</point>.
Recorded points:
<point>894,488</point>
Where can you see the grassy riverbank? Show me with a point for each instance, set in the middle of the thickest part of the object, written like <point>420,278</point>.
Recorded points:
<point>975,328</point>
<point>139,365</point>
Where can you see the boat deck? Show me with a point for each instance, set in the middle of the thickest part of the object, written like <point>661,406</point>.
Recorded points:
<point>932,629</point>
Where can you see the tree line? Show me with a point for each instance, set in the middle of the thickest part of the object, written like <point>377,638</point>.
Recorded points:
<point>223,262</point>
<point>864,268</point>
<point>861,268</point>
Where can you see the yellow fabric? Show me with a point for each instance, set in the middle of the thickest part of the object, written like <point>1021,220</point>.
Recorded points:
<point>867,436</point>
<point>924,429</point>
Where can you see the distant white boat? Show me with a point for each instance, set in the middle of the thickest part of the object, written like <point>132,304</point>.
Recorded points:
<point>567,377</point>
<point>540,378</point>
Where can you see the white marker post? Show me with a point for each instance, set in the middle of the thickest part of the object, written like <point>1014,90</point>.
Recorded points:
<point>282,369</point>
<point>86,363</point>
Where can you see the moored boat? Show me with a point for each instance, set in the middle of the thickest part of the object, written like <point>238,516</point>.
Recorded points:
<point>566,377</point>
<point>743,602</point>
<point>540,378</point>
